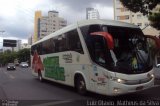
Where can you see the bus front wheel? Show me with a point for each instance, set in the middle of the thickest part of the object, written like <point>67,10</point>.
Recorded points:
<point>80,85</point>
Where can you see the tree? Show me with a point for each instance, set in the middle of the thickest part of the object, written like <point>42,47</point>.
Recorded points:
<point>7,57</point>
<point>155,20</point>
<point>24,55</point>
<point>145,7</point>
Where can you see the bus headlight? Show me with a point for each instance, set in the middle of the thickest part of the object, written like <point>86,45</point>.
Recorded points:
<point>150,75</point>
<point>119,80</point>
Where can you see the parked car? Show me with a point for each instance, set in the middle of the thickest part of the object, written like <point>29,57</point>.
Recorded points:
<point>11,66</point>
<point>24,64</point>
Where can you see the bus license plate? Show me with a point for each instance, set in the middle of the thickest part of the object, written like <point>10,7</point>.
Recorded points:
<point>139,88</point>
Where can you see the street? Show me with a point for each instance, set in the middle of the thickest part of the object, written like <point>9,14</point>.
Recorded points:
<point>21,88</point>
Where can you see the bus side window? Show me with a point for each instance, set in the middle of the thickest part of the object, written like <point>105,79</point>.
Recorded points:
<point>74,41</point>
<point>99,49</point>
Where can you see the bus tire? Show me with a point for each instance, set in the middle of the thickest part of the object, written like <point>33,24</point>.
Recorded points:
<point>80,85</point>
<point>40,76</point>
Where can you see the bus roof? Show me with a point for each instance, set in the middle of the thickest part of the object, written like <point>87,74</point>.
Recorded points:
<point>106,22</point>
<point>87,22</point>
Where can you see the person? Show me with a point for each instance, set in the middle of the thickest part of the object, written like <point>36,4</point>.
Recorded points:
<point>101,58</point>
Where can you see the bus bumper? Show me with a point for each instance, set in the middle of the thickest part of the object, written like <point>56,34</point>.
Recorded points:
<point>120,89</point>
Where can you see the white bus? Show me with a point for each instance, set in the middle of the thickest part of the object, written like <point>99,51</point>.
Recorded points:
<point>101,56</point>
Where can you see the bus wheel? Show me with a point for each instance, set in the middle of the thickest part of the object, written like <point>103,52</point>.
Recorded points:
<point>40,76</point>
<point>80,85</point>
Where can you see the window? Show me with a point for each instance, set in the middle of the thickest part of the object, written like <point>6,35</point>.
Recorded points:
<point>139,16</point>
<point>146,24</point>
<point>117,1</point>
<point>126,16</point>
<point>97,46</point>
<point>139,24</point>
<point>123,9</point>
<point>118,17</point>
<point>69,41</point>
<point>74,42</point>
<point>38,48</point>
<point>48,46</point>
<point>62,43</point>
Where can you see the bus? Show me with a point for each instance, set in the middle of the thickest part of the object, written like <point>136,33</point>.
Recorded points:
<point>102,56</point>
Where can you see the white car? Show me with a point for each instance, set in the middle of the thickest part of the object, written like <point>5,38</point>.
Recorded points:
<point>24,64</point>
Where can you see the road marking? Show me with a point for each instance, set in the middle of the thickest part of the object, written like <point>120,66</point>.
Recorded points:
<point>11,76</point>
<point>52,103</point>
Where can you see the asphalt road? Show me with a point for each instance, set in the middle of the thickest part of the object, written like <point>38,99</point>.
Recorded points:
<point>20,88</point>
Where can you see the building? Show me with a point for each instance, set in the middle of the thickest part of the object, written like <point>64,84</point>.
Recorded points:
<point>18,47</point>
<point>45,25</point>
<point>1,50</point>
<point>37,17</point>
<point>25,46</point>
<point>30,40</point>
<point>123,14</point>
<point>92,13</point>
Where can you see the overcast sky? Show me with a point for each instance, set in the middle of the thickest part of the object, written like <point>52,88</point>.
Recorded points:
<point>17,16</point>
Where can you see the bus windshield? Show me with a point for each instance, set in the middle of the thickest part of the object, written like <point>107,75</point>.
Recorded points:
<point>131,50</point>
<point>130,54</point>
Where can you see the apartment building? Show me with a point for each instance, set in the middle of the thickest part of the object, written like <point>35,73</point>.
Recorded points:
<point>92,13</point>
<point>46,25</point>
<point>123,14</point>
<point>37,17</point>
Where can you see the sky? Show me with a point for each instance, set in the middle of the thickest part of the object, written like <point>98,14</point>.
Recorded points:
<point>17,16</point>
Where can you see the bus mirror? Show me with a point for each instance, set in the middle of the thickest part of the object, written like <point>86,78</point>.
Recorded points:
<point>155,39</point>
<point>108,38</point>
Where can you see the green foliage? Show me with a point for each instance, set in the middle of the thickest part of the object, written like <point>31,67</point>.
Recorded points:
<point>145,7</point>
<point>8,56</point>
<point>24,55</point>
<point>155,20</point>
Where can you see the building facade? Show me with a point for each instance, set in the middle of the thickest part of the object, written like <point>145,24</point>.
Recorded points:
<point>30,40</point>
<point>45,25</point>
<point>123,14</point>
<point>92,13</point>
<point>18,47</point>
<point>38,15</point>
<point>25,46</point>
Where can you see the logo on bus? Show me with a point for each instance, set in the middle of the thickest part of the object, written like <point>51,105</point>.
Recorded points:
<point>67,58</point>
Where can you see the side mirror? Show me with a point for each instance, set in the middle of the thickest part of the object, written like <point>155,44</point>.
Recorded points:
<point>156,39</point>
<point>108,38</point>
<point>158,66</point>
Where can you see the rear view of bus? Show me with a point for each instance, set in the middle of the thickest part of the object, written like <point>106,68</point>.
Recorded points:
<point>121,58</point>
